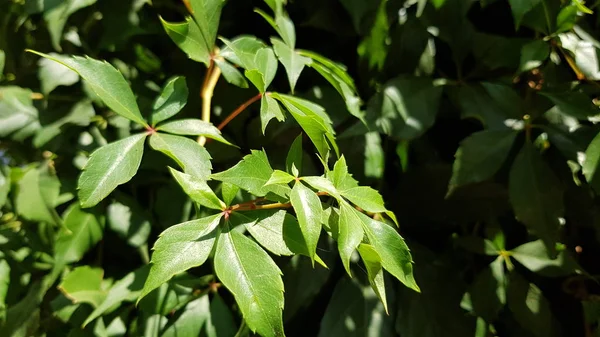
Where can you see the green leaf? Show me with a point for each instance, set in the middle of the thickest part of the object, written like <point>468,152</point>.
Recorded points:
<point>242,51</point>
<point>535,194</point>
<point>372,262</point>
<point>366,198</point>
<point>221,319</point>
<point>269,109</point>
<point>374,155</point>
<point>106,81</point>
<point>126,289</point>
<point>533,55</point>
<point>573,103</point>
<point>129,220</point>
<point>279,177</point>
<point>264,70</point>
<point>189,38</point>
<point>198,190</point>
<point>345,313</point>
<point>231,73</point>
<point>172,98</point>
<point>4,285</point>
<point>394,253</point>
<point>2,62</point>
<point>83,285</point>
<point>193,127</point>
<point>5,181</point>
<point>478,245</point>
<point>350,234</point>
<point>82,231</point>
<point>405,108</point>
<point>340,177</point>
<point>253,279</point>
<point>480,156</point>
<point>529,307</point>
<point>207,14</point>
<point>520,8</point>
<point>188,154</point>
<point>108,167</point>
<point>80,114</point>
<point>16,110</point>
<point>282,25</point>
<point>31,201</point>
<point>292,61</point>
<point>535,257</point>
<point>336,74</point>
<point>52,74</point>
<point>308,209</point>
<point>488,291</point>
<point>590,165</point>
<point>229,192</point>
<point>180,248</point>
<point>194,317</point>
<point>322,184</point>
<point>313,120</point>
<point>56,17</point>
<point>251,174</point>
<point>294,156</point>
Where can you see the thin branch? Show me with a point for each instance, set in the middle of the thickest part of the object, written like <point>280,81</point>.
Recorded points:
<point>239,110</point>
<point>253,205</point>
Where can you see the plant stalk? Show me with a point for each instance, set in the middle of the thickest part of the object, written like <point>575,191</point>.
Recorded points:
<point>208,88</point>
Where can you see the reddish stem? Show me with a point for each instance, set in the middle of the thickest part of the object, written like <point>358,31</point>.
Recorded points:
<point>239,110</point>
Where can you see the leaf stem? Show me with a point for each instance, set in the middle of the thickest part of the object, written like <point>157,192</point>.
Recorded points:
<point>239,110</point>
<point>208,88</point>
<point>253,204</point>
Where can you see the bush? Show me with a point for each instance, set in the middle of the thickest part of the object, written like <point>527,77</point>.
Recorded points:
<point>212,168</point>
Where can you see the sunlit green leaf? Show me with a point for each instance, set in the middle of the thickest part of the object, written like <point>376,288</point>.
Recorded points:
<point>198,190</point>
<point>294,156</point>
<point>172,98</point>
<point>83,285</point>
<point>308,209</point>
<point>231,73</point>
<point>180,248</point>
<point>251,174</point>
<point>269,109</point>
<point>53,74</point>
<point>108,167</point>
<point>254,280</point>
<point>536,257</point>
<point>16,110</point>
<point>292,61</point>
<point>372,262</point>
<point>193,127</point>
<point>106,81</point>
<point>188,154</point>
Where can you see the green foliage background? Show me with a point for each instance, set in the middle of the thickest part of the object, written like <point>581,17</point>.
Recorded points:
<point>476,120</point>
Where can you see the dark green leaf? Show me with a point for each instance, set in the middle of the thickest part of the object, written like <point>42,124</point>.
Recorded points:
<point>530,308</point>
<point>536,257</point>
<point>253,279</point>
<point>345,314</point>
<point>480,156</point>
<point>180,248</point>
<point>56,17</point>
<point>488,291</point>
<point>573,103</point>
<point>126,289</point>
<point>106,81</point>
<point>533,55</point>
<point>82,231</point>
<point>194,317</point>
<point>294,156</point>
<point>535,194</point>
<point>108,167</point>
<point>171,100</point>
<point>188,154</point>
<point>405,108</point>
<point>590,166</point>
<point>129,220</point>
<point>522,7</point>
